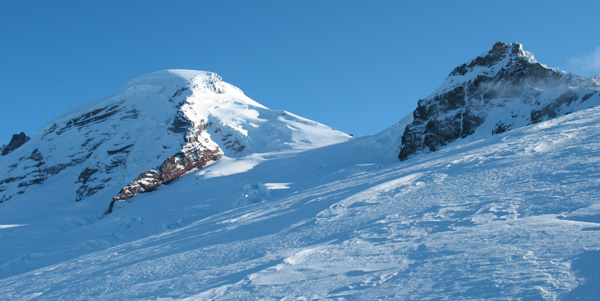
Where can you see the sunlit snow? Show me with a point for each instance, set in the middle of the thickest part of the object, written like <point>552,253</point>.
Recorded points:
<point>297,210</point>
<point>512,216</point>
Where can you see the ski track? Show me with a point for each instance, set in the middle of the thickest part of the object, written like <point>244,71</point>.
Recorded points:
<point>496,219</point>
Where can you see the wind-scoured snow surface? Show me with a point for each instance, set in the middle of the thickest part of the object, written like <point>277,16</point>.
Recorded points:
<point>514,216</point>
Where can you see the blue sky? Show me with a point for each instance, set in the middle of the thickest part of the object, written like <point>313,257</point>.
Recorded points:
<point>358,66</point>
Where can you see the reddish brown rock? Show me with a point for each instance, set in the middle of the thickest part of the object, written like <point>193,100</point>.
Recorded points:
<point>146,181</point>
<point>194,155</point>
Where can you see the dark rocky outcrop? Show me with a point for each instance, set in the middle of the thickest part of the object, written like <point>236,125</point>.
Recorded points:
<point>194,154</point>
<point>549,110</point>
<point>180,124</point>
<point>500,128</point>
<point>173,168</point>
<point>438,121</point>
<point>87,186</point>
<point>178,93</point>
<point>86,119</point>
<point>124,149</point>
<point>504,76</point>
<point>16,141</point>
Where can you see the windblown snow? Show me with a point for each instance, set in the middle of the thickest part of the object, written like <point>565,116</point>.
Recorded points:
<point>514,216</point>
<point>296,210</point>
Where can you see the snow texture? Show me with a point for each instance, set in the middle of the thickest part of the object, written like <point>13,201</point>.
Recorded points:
<point>514,216</point>
<point>294,209</point>
<point>93,151</point>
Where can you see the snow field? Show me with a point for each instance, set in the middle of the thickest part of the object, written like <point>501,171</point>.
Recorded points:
<point>515,216</point>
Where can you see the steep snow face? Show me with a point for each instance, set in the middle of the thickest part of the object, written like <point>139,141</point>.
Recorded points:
<point>503,89</point>
<point>159,127</point>
<point>242,126</point>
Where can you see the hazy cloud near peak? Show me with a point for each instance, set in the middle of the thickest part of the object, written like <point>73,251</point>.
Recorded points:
<point>588,64</point>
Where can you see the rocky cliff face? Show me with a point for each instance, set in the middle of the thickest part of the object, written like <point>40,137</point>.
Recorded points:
<point>500,90</point>
<point>16,141</point>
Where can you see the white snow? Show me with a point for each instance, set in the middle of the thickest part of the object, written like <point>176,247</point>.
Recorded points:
<point>277,186</point>
<point>488,219</point>
<point>10,226</point>
<point>297,210</point>
<point>229,166</point>
<point>129,132</point>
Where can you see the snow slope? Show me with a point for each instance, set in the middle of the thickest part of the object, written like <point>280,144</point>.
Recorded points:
<point>514,216</point>
<point>165,124</point>
<point>215,196</point>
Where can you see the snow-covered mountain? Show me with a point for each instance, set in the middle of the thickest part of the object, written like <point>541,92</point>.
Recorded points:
<point>503,89</point>
<point>161,126</point>
<point>242,202</point>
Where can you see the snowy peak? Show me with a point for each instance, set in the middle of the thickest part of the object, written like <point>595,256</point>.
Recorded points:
<point>501,58</point>
<point>171,77</point>
<point>159,127</point>
<point>200,81</point>
<point>503,89</point>
<point>500,55</point>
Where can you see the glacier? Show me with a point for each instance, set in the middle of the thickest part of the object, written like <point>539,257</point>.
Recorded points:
<point>317,215</point>
<point>506,217</point>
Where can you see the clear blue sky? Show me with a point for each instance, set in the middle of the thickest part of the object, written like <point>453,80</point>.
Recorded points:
<point>358,66</point>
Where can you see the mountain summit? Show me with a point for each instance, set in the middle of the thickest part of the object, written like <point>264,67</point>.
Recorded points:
<point>214,196</point>
<point>159,127</point>
<point>502,89</point>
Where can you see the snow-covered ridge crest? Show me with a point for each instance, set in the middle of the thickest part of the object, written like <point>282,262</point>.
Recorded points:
<point>502,89</point>
<point>161,82</point>
<point>160,126</point>
<point>171,77</point>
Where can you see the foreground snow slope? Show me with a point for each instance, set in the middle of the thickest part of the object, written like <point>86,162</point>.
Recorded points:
<point>515,216</point>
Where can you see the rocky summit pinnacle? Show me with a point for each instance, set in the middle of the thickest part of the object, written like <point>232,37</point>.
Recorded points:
<point>502,89</point>
<point>16,142</point>
<point>499,52</point>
